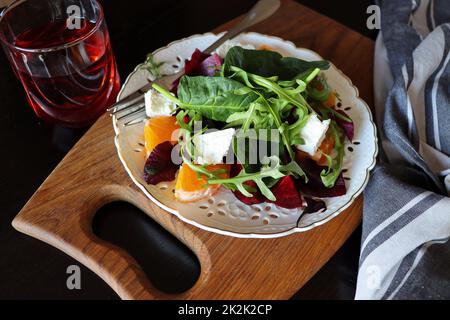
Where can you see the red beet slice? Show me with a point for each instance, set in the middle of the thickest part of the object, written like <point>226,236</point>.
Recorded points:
<point>235,169</point>
<point>257,196</point>
<point>287,194</point>
<point>159,166</point>
<point>315,187</point>
<point>285,191</point>
<point>191,67</point>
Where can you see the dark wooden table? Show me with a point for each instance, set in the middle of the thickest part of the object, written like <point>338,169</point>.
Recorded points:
<point>31,149</point>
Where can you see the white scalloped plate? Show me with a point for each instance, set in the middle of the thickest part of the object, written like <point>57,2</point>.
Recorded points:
<point>223,213</point>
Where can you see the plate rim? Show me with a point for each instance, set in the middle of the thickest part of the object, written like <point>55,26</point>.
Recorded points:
<point>293,230</point>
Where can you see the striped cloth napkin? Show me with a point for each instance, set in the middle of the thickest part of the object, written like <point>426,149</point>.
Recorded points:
<point>405,252</point>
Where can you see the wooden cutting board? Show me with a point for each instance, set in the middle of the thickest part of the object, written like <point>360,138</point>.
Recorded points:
<point>61,211</point>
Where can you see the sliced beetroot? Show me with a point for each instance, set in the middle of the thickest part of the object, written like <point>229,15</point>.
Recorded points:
<point>285,191</point>
<point>235,169</point>
<point>315,187</point>
<point>314,205</point>
<point>348,127</point>
<point>287,194</point>
<point>192,67</point>
<point>311,168</point>
<point>159,166</point>
<point>339,188</point>
<point>257,196</point>
<point>210,66</point>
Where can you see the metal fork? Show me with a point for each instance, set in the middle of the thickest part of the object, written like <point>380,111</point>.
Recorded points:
<point>132,107</point>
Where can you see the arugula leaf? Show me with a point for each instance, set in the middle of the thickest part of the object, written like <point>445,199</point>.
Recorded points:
<point>235,183</point>
<point>294,169</point>
<point>269,85</point>
<point>285,97</point>
<point>192,117</point>
<point>268,63</point>
<point>319,89</point>
<point>241,75</point>
<point>295,129</point>
<point>301,87</point>
<point>279,124</point>
<point>282,106</point>
<point>258,115</point>
<point>253,147</point>
<point>325,112</point>
<point>247,117</point>
<point>306,76</point>
<point>152,67</point>
<point>272,170</point>
<point>330,175</point>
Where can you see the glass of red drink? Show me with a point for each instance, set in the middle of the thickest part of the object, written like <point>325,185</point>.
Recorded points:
<point>61,52</point>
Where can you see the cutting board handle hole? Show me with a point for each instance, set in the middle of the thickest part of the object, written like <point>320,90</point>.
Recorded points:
<point>170,265</point>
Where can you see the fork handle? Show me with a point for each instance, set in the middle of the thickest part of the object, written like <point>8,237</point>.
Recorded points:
<point>260,11</point>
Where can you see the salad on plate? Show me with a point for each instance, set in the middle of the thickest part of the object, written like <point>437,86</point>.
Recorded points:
<point>265,127</point>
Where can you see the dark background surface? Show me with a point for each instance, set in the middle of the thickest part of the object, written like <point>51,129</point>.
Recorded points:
<point>30,269</point>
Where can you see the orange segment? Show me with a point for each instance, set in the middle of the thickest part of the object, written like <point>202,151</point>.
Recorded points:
<point>158,130</point>
<point>331,101</point>
<point>190,188</point>
<point>326,147</point>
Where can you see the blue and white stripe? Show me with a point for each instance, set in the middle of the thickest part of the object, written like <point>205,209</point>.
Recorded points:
<point>405,252</point>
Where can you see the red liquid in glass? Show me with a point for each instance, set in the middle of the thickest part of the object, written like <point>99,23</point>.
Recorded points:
<point>72,86</point>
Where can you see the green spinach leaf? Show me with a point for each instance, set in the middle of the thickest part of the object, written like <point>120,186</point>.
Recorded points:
<point>268,63</point>
<point>214,98</point>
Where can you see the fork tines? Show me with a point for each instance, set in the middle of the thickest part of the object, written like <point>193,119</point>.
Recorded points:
<point>130,101</point>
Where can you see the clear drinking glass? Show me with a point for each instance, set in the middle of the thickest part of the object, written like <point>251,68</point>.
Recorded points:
<point>61,52</point>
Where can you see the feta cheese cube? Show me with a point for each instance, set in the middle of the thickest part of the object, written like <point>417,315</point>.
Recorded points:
<point>227,45</point>
<point>213,146</point>
<point>313,134</point>
<point>157,105</point>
